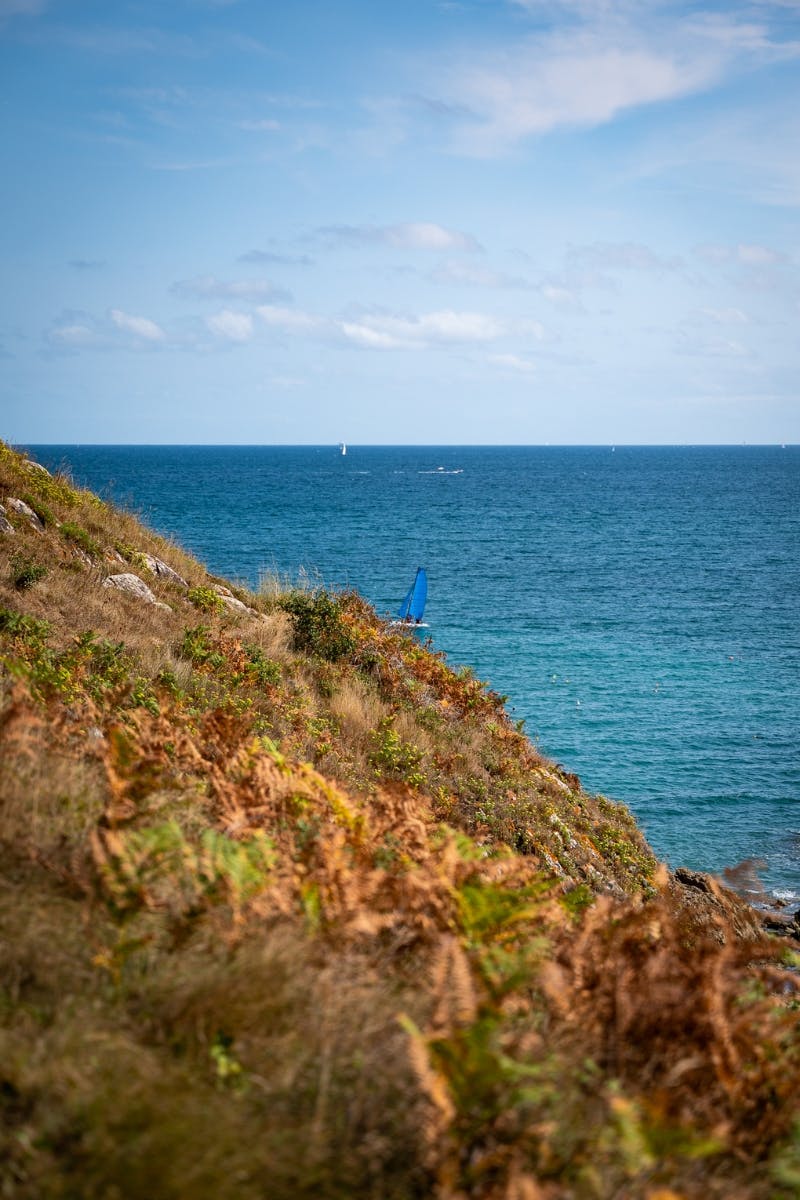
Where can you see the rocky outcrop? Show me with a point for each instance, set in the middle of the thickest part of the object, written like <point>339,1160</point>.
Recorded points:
<point>5,524</point>
<point>132,585</point>
<point>25,510</point>
<point>230,601</point>
<point>712,906</point>
<point>164,571</point>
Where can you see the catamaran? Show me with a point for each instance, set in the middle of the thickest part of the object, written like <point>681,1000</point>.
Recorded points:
<point>413,607</point>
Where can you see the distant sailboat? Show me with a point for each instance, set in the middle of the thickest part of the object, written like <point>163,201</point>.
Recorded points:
<point>342,448</point>
<point>412,609</point>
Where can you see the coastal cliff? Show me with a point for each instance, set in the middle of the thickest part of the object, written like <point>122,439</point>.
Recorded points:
<point>289,908</point>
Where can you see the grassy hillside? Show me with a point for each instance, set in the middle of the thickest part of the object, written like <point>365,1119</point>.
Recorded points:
<point>289,908</point>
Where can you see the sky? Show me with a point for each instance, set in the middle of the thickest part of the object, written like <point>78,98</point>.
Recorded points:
<point>417,222</point>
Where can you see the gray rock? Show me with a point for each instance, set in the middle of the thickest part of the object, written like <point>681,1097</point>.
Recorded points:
<point>24,510</point>
<point>28,462</point>
<point>133,586</point>
<point>164,571</point>
<point>5,524</point>
<point>230,601</point>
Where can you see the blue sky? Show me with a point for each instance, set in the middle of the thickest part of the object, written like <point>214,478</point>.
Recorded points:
<point>466,221</point>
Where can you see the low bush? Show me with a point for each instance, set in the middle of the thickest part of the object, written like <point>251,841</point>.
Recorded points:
<point>318,624</point>
<point>74,533</point>
<point>206,599</point>
<point>25,572</point>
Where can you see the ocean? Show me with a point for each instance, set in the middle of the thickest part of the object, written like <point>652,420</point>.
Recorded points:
<point>638,606</point>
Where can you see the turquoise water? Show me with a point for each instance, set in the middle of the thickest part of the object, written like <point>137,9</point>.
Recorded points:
<point>639,606</point>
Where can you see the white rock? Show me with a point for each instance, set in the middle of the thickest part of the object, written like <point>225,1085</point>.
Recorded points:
<point>24,510</point>
<point>164,571</point>
<point>227,597</point>
<point>36,466</point>
<point>133,586</point>
<point>5,524</point>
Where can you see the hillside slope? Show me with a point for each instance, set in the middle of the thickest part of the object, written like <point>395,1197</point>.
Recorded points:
<point>290,908</point>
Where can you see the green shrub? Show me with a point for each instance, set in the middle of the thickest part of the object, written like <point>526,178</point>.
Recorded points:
<point>131,555</point>
<point>318,625</point>
<point>74,533</point>
<point>394,758</point>
<point>206,599</point>
<point>25,572</point>
<point>24,629</point>
<point>44,513</point>
<point>262,669</point>
<point>197,647</point>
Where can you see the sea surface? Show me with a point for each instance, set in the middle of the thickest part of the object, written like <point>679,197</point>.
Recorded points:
<point>639,606</point>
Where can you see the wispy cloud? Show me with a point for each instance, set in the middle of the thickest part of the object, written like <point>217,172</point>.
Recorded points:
<point>513,362</point>
<point>413,235</point>
<point>620,256</point>
<point>609,58</point>
<point>290,320</point>
<point>74,330</point>
<point>86,264</point>
<point>266,125</point>
<point>208,287</point>
<point>389,331</point>
<point>277,259</point>
<point>470,274</point>
<point>724,316</point>
<point>118,40</point>
<point>231,326</point>
<point>140,327</point>
<point>697,345</point>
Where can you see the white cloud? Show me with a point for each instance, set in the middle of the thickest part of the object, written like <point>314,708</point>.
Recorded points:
<point>74,335</point>
<point>208,287</point>
<point>752,255</point>
<point>289,319</point>
<point>620,256</point>
<point>389,331</point>
<point>758,256</point>
<point>140,327</point>
<point>513,362</point>
<point>696,345</point>
<point>725,316</point>
<point>413,235</point>
<point>469,274</point>
<point>606,59</point>
<point>267,125</point>
<point>231,326</point>
<point>560,296</point>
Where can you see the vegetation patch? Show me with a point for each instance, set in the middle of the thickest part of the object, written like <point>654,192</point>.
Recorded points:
<point>25,571</point>
<point>424,964</point>
<point>79,537</point>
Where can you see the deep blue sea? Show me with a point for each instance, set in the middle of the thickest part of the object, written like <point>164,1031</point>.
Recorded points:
<point>640,607</point>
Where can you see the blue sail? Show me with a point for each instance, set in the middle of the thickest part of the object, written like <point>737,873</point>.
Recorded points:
<point>413,605</point>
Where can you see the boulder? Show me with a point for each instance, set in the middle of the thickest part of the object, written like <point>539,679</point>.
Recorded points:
<point>5,524</point>
<point>28,462</point>
<point>164,571</point>
<point>133,586</point>
<point>24,510</point>
<point>713,908</point>
<point>230,601</point>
